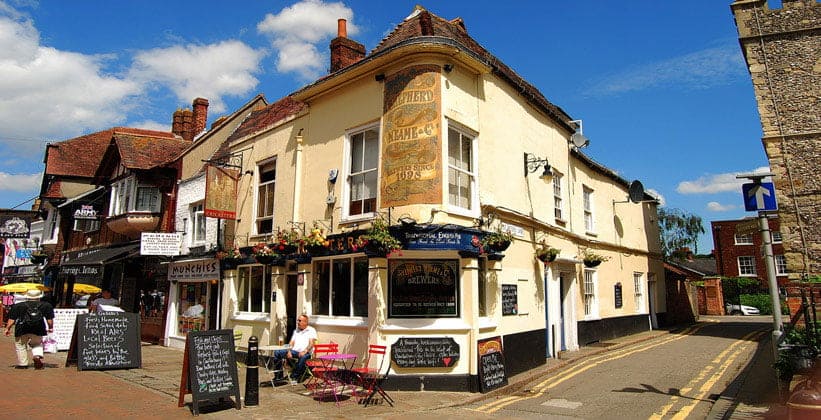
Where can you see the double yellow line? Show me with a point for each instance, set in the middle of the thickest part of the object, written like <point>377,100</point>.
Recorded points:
<point>544,386</point>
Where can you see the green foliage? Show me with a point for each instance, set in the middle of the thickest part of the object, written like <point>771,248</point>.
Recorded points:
<point>760,301</point>
<point>678,229</point>
<point>381,237</point>
<point>734,287</point>
<point>814,279</point>
<point>497,237</point>
<point>805,336</point>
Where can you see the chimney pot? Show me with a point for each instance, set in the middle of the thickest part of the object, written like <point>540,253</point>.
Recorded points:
<point>341,28</point>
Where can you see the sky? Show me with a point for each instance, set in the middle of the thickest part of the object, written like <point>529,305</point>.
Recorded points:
<point>661,86</point>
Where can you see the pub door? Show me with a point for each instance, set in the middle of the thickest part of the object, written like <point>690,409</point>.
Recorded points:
<point>290,305</point>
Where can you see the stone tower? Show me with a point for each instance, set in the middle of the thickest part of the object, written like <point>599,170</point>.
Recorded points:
<point>782,48</point>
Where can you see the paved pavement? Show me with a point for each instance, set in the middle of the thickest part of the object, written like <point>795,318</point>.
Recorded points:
<point>152,391</point>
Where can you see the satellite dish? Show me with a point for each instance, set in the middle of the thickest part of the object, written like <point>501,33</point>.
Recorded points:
<point>579,140</point>
<point>636,192</point>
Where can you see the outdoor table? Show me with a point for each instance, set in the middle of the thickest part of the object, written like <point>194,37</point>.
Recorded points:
<point>277,372</point>
<point>333,379</point>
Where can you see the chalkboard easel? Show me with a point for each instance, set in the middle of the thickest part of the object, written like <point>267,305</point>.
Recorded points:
<point>209,368</point>
<point>109,340</point>
<point>492,372</point>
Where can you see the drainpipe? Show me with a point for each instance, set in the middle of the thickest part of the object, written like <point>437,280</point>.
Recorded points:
<point>297,177</point>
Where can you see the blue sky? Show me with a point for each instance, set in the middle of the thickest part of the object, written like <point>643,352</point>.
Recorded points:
<point>661,86</point>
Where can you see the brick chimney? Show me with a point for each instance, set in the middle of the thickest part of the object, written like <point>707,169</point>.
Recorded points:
<point>176,123</point>
<point>344,51</point>
<point>187,124</point>
<point>200,115</point>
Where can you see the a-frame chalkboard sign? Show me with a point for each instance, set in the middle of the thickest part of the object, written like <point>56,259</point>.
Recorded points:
<point>209,368</point>
<point>108,340</point>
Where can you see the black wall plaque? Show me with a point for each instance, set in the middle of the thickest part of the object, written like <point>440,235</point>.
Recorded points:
<point>415,352</point>
<point>510,299</point>
<point>210,367</point>
<point>110,340</point>
<point>617,295</point>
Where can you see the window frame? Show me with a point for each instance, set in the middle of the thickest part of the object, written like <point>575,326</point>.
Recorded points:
<point>471,173</point>
<point>265,294</point>
<point>589,210</point>
<point>590,297</point>
<point>776,237</point>
<point>127,196</point>
<point>357,281</point>
<point>86,225</point>
<point>558,197</point>
<point>746,261</point>
<point>349,165</point>
<point>198,223</point>
<point>261,170</point>
<point>638,286</point>
<point>780,265</point>
<point>743,239</point>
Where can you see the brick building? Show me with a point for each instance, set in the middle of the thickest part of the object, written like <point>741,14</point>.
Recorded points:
<point>781,47</point>
<point>739,254</point>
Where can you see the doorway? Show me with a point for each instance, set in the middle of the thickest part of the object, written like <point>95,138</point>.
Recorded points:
<point>290,305</point>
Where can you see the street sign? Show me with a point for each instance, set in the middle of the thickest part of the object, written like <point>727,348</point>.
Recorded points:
<point>746,227</point>
<point>759,196</point>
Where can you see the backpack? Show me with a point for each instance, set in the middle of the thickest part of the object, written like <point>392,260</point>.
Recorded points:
<point>32,319</point>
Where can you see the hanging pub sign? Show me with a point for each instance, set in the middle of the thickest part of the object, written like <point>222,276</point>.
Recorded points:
<point>220,192</point>
<point>85,212</point>
<point>423,288</point>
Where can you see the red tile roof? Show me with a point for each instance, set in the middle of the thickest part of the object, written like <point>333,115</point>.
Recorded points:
<point>146,152</point>
<point>265,118</point>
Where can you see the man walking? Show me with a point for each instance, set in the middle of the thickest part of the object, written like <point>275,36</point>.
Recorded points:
<point>29,327</point>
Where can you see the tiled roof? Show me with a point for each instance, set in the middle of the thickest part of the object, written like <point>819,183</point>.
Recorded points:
<point>81,156</point>
<point>703,266</point>
<point>146,152</point>
<point>265,118</point>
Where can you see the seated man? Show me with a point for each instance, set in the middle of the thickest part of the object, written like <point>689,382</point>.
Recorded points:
<point>302,342</point>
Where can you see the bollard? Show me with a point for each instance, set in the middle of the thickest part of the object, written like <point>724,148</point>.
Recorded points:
<point>252,372</point>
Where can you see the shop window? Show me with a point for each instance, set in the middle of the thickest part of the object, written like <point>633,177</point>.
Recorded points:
<point>265,197</point>
<point>423,288</point>
<point>253,289</point>
<point>461,168</point>
<point>340,287</point>
<point>362,177</point>
<point>193,299</point>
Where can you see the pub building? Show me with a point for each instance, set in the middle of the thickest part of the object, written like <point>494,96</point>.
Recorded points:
<point>432,134</point>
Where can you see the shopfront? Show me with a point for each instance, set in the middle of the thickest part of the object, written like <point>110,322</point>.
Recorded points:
<point>193,298</point>
<point>101,267</point>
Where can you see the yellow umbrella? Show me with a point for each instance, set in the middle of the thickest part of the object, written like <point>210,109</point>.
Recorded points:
<point>22,287</point>
<point>85,289</point>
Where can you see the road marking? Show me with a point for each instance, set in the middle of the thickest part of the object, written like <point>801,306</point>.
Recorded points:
<point>541,388</point>
<point>562,403</point>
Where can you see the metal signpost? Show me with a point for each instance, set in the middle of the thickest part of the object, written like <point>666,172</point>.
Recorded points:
<point>760,196</point>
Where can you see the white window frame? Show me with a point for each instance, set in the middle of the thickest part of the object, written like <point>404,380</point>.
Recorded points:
<point>638,286</point>
<point>245,274</point>
<point>746,266</point>
<point>349,165</point>
<point>776,236</point>
<point>86,225</point>
<point>127,197</point>
<point>558,199</point>
<point>743,239</point>
<point>257,197</point>
<point>52,227</point>
<point>352,287</point>
<point>589,215</point>
<point>781,265</point>
<point>198,229</point>
<point>472,173</point>
<point>591,294</point>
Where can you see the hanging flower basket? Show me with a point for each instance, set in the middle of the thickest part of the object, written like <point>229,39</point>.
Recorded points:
<point>497,241</point>
<point>230,263</point>
<point>265,259</point>
<point>592,259</point>
<point>379,242</point>
<point>591,263</point>
<point>286,249</point>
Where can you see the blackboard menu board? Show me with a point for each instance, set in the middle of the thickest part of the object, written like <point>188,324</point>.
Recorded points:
<point>510,299</point>
<point>211,365</point>
<point>617,294</point>
<point>491,364</point>
<point>425,352</point>
<point>108,340</point>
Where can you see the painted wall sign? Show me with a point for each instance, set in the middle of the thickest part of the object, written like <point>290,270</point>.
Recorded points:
<point>425,352</point>
<point>412,139</point>
<point>220,192</point>
<point>85,212</point>
<point>194,270</point>
<point>14,227</point>
<point>160,243</point>
<point>423,288</point>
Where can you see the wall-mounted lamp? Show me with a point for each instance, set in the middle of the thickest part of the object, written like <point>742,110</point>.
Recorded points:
<point>578,139</point>
<point>379,77</point>
<point>448,68</point>
<point>532,164</point>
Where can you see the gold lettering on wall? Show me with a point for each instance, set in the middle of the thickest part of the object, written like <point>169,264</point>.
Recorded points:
<point>411,139</point>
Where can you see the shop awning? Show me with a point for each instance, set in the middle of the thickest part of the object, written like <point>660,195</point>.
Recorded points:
<point>105,255</point>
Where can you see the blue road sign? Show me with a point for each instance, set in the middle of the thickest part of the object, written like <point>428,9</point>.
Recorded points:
<point>759,196</point>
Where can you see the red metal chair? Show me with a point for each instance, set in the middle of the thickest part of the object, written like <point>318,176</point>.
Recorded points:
<point>372,375</point>
<point>315,368</point>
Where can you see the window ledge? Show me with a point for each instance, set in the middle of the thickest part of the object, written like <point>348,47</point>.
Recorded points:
<point>487,323</point>
<point>592,318</point>
<point>590,233</point>
<point>339,321</point>
<point>252,316</point>
<point>427,324</point>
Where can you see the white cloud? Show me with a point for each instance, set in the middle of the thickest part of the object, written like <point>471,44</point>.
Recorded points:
<point>297,31</point>
<point>718,207</point>
<point>153,125</point>
<point>715,183</point>
<point>698,70</point>
<point>45,92</point>
<point>20,182</point>
<point>209,71</point>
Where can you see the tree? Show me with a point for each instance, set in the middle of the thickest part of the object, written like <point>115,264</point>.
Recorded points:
<point>678,229</point>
